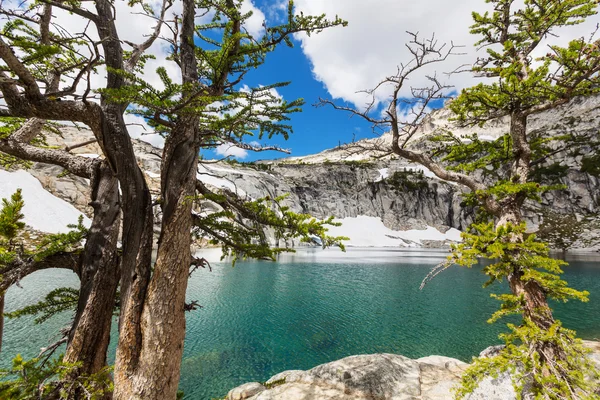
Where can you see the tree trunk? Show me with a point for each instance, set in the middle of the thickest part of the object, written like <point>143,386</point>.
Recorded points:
<point>535,305</point>
<point>156,374</point>
<point>99,274</point>
<point>137,209</point>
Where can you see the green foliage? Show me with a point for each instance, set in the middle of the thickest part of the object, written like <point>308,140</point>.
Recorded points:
<point>539,353</point>
<point>578,377</point>
<point>353,164</point>
<point>55,302</point>
<point>358,163</point>
<point>273,384</point>
<point>11,216</point>
<point>240,229</point>
<point>11,227</point>
<point>62,53</point>
<point>50,379</point>
<point>62,242</point>
<point>11,224</point>
<point>407,181</point>
<point>523,355</point>
<point>229,110</point>
<point>529,255</point>
<point>249,164</point>
<point>510,36</point>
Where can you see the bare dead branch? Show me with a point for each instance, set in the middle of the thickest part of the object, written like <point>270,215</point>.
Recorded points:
<point>78,145</point>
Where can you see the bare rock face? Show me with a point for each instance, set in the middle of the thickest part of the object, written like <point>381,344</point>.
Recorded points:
<point>404,196</point>
<point>246,391</point>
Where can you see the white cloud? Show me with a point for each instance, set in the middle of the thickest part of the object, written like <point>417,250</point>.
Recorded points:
<point>227,150</point>
<point>348,60</point>
<point>134,27</point>
<point>254,24</point>
<point>138,129</point>
<point>277,10</point>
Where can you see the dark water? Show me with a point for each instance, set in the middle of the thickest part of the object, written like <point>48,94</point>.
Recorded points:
<point>261,318</point>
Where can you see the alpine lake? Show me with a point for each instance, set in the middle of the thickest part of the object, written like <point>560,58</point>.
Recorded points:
<point>315,306</point>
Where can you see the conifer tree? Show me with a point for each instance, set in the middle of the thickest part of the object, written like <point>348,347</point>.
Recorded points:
<point>11,217</point>
<point>503,174</point>
<point>206,106</point>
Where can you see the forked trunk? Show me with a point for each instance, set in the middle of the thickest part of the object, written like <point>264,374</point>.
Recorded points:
<point>99,274</point>
<point>155,376</point>
<point>136,206</point>
<point>163,321</point>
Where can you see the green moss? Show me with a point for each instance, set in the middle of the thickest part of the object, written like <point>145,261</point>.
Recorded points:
<point>273,384</point>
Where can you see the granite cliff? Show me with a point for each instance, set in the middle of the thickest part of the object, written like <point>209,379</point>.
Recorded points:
<point>404,203</point>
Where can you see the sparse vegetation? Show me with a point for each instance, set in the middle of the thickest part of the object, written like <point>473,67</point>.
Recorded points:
<point>407,181</point>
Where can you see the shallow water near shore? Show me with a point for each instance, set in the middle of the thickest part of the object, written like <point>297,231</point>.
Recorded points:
<point>261,318</point>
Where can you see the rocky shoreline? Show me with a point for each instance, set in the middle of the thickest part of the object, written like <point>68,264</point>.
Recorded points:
<point>380,376</point>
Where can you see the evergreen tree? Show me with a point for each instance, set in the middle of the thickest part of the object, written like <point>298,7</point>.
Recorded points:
<point>10,218</point>
<point>504,173</point>
<point>46,76</point>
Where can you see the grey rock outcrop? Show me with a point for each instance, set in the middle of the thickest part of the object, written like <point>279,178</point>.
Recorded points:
<point>383,377</point>
<point>365,377</point>
<point>402,195</point>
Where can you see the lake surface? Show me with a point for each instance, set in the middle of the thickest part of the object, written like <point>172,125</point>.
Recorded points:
<point>261,318</point>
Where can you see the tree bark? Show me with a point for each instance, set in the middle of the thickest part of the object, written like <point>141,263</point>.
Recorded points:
<point>99,273</point>
<point>535,302</point>
<point>137,209</point>
<point>163,319</point>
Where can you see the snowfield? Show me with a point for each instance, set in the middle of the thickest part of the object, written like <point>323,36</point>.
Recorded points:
<point>43,211</point>
<point>366,231</point>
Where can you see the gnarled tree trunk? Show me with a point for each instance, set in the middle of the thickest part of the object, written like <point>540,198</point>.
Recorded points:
<point>156,375</point>
<point>137,208</point>
<point>535,302</point>
<point>99,275</point>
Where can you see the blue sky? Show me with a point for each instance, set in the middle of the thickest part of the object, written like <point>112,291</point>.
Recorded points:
<point>314,129</point>
<point>340,62</point>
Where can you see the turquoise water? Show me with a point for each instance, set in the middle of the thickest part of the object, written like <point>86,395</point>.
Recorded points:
<point>261,318</point>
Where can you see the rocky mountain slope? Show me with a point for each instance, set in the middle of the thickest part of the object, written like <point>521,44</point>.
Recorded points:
<point>385,202</point>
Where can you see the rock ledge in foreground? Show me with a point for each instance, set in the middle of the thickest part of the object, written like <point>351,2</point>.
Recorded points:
<point>380,377</point>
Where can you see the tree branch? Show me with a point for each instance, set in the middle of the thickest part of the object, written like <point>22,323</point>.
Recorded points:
<point>79,166</point>
<point>19,69</point>
<point>20,268</point>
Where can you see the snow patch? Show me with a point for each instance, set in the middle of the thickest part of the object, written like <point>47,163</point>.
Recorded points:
<point>209,178</point>
<point>89,155</point>
<point>153,139</point>
<point>420,168</point>
<point>366,231</point>
<point>384,173</point>
<point>152,174</point>
<point>43,211</point>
